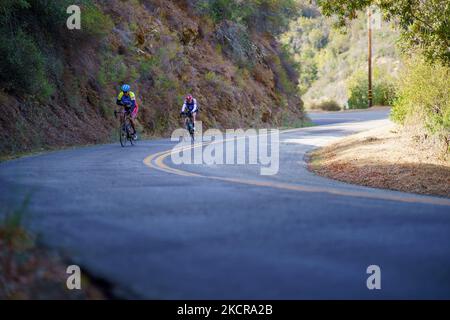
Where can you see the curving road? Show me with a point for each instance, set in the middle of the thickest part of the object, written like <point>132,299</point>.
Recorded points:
<point>163,231</point>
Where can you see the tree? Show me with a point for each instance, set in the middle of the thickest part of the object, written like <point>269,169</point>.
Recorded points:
<point>425,24</point>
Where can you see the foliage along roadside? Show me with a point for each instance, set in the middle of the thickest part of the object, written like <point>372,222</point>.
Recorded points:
<point>422,101</point>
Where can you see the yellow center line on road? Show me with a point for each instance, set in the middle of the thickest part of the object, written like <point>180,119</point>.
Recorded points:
<point>156,161</point>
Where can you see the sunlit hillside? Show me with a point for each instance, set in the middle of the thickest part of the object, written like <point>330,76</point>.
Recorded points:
<point>331,60</point>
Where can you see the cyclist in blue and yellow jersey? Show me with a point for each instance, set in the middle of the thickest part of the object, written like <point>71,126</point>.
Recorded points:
<point>127,99</point>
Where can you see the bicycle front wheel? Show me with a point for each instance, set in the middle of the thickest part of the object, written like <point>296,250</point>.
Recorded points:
<point>123,136</point>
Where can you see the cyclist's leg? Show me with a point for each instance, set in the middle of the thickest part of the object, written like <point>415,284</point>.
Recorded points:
<point>132,125</point>
<point>133,113</point>
<point>131,119</point>
<point>194,115</point>
<point>122,118</point>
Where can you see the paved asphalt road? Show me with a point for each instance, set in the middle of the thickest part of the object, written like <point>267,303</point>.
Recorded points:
<point>157,230</point>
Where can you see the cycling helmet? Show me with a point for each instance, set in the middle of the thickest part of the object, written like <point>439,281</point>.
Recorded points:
<point>189,97</point>
<point>125,88</point>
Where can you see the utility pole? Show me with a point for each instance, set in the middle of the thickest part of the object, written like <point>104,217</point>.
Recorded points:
<point>369,26</point>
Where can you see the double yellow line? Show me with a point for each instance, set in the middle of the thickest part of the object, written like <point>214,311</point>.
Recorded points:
<point>156,161</point>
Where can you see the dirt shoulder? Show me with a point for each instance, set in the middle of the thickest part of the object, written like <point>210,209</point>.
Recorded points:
<point>384,158</point>
<point>31,271</point>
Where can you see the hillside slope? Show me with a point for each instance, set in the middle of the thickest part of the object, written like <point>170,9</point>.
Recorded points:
<point>164,49</point>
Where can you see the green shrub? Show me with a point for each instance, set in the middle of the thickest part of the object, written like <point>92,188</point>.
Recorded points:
<point>52,17</point>
<point>263,15</point>
<point>211,76</point>
<point>22,66</point>
<point>49,15</point>
<point>327,105</point>
<point>163,83</point>
<point>112,70</point>
<point>45,91</point>
<point>383,90</point>
<point>384,93</point>
<point>424,96</point>
<point>358,95</point>
<point>28,30</point>
<point>220,10</point>
<point>236,43</point>
<point>94,22</point>
<point>271,16</point>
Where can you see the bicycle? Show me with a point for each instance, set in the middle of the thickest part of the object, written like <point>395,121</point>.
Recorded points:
<point>189,124</point>
<point>125,129</point>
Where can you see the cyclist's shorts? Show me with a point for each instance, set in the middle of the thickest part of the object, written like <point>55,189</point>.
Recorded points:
<point>133,113</point>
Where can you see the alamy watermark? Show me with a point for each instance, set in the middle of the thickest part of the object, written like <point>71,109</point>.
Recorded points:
<point>232,147</point>
<point>374,280</point>
<point>74,20</point>
<point>74,280</point>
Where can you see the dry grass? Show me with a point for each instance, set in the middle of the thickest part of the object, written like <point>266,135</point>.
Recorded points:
<point>28,271</point>
<point>385,158</point>
<point>34,273</point>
